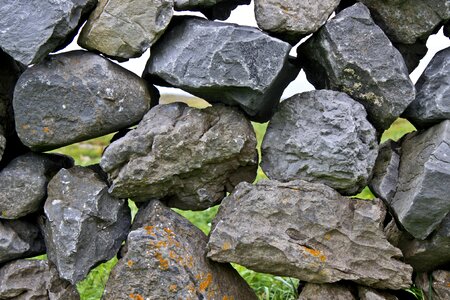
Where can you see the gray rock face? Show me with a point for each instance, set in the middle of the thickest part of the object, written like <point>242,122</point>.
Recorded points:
<point>212,9</point>
<point>84,225</point>
<point>352,54</point>
<point>313,291</point>
<point>365,293</point>
<point>308,231</point>
<point>186,156</point>
<point>23,183</point>
<point>226,63</point>
<point>125,29</point>
<point>440,284</point>
<point>34,280</point>
<point>292,20</point>
<point>432,103</point>
<point>165,259</point>
<point>69,107</point>
<point>33,29</point>
<point>321,136</point>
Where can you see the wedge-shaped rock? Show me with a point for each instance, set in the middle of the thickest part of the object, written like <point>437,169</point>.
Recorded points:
<point>313,291</point>
<point>212,9</point>
<point>353,55</point>
<point>83,225</point>
<point>220,62</point>
<point>438,283</point>
<point>165,259</point>
<point>186,156</point>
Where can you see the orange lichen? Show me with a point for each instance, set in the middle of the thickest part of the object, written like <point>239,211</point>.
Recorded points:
<point>173,288</point>
<point>149,230</point>
<point>206,282</point>
<point>228,297</point>
<point>313,252</point>
<point>323,258</point>
<point>163,263</point>
<point>169,231</point>
<point>136,297</point>
<point>130,263</point>
<point>226,246</point>
<point>161,244</point>
<point>46,129</point>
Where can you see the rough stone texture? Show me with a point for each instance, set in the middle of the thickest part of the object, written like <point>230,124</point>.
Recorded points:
<point>352,54</point>
<point>33,29</point>
<point>34,280</point>
<point>83,224</point>
<point>432,103</point>
<point>321,136</point>
<point>308,231</point>
<point>23,182</point>
<point>69,107</point>
<point>220,62</point>
<point>212,9</point>
<point>165,259</point>
<point>186,156</point>
<point>291,20</point>
<point>440,284</point>
<point>365,293</point>
<point>412,53</point>
<point>2,142</point>
<point>124,29</point>
<point>313,291</point>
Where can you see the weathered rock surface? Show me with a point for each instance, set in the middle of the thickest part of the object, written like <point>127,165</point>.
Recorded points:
<point>165,259</point>
<point>23,182</point>
<point>365,293</point>
<point>313,291</point>
<point>226,63</point>
<point>33,29</point>
<point>321,136</point>
<point>292,20</point>
<point>432,103</point>
<point>212,9</point>
<point>83,224</point>
<point>439,282</point>
<point>34,280</point>
<point>69,107</point>
<point>308,231</point>
<point>125,29</point>
<point>352,54</point>
<point>412,53</point>
<point>186,156</point>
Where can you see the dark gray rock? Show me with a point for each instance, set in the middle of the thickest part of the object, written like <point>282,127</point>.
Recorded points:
<point>69,107</point>
<point>412,53</point>
<point>23,182</point>
<point>321,136</point>
<point>164,258</point>
<point>220,62</point>
<point>432,103</point>
<point>186,156</point>
<point>447,29</point>
<point>308,231</point>
<point>33,29</point>
<point>83,224</point>
<point>366,293</point>
<point>34,280</point>
<point>352,54</point>
<point>212,9</point>
<point>438,283</point>
<point>313,291</point>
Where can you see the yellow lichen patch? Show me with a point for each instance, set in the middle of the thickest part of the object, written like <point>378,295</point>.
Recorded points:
<point>370,96</point>
<point>46,129</point>
<point>149,230</point>
<point>327,236</point>
<point>349,71</point>
<point>172,255</point>
<point>25,126</point>
<point>173,288</point>
<point>169,231</point>
<point>206,282</point>
<point>163,263</point>
<point>130,263</point>
<point>323,258</point>
<point>226,246</point>
<point>136,297</point>
<point>161,244</point>
<point>227,297</point>
<point>313,252</point>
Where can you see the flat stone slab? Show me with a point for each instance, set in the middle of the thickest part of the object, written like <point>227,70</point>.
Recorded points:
<point>212,9</point>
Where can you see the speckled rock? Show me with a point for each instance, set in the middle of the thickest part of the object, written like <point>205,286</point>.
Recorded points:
<point>366,293</point>
<point>212,9</point>
<point>313,291</point>
<point>440,284</point>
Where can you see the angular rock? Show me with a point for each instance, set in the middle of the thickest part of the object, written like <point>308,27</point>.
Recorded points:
<point>125,29</point>
<point>226,63</point>
<point>308,231</point>
<point>412,53</point>
<point>69,107</point>
<point>365,293</point>
<point>165,259</point>
<point>212,9</point>
<point>292,20</point>
<point>320,136</point>
<point>33,29</point>
<point>313,291</point>
<point>83,225</point>
<point>186,156</point>
<point>438,283</point>
<point>34,279</point>
<point>23,182</point>
<point>432,103</point>
<point>352,54</point>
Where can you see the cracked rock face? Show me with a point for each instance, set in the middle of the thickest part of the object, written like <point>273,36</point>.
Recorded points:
<point>225,63</point>
<point>83,225</point>
<point>69,107</point>
<point>353,55</point>
<point>440,284</point>
<point>165,259</point>
<point>307,231</point>
<point>320,136</point>
<point>313,291</point>
<point>212,9</point>
<point>186,156</point>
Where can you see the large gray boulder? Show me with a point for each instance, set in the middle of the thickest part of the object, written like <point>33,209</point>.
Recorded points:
<point>221,62</point>
<point>212,9</point>
<point>307,231</point>
<point>69,106</point>
<point>313,291</point>
<point>83,225</point>
<point>164,258</point>
<point>321,136</point>
<point>33,29</point>
<point>436,286</point>
<point>189,157</point>
<point>353,55</point>
<point>124,29</point>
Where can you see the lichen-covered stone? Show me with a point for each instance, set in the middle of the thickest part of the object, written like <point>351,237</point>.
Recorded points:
<point>212,9</point>
<point>186,156</point>
<point>366,293</point>
<point>313,291</point>
<point>438,283</point>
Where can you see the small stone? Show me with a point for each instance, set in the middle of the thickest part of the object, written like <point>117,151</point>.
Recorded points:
<point>222,62</point>
<point>69,107</point>
<point>321,136</point>
<point>83,225</point>
<point>188,157</point>
<point>412,53</point>
<point>165,259</point>
<point>313,291</point>
<point>366,293</point>
<point>307,231</point>
<point>438,283</point>
<point>212,9</point>
<point>353,55</point>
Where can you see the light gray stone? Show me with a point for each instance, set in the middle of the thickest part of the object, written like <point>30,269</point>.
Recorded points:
<point>313,291</point>
<point>438,283</point>
<point>212,9</point>
<point>366,293</point>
